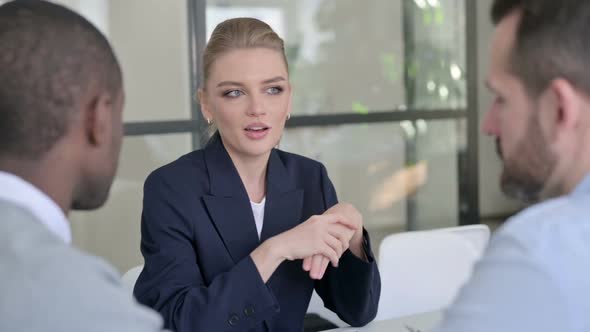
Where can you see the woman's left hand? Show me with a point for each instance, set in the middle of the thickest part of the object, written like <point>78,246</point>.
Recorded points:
<point>317,264</point>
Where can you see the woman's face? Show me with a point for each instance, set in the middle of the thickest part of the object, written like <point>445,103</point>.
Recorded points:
<point>248,97</point>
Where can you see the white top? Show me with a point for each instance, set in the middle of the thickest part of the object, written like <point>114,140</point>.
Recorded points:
<point>258,211</point>
<point>15,190</point>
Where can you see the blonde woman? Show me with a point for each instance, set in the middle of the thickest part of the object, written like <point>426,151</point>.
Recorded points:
<point>237,236</point>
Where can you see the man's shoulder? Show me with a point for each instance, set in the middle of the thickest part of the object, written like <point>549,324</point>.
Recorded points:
<point>23,237</point>
<point>560,224</point>
<point>25,241</point>
<point>11,214</point>
<point>45,281</point>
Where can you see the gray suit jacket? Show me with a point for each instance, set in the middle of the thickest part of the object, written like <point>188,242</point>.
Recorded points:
<point>46,285</point>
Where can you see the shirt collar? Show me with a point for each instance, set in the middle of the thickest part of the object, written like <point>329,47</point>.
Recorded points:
<point>15,190</point>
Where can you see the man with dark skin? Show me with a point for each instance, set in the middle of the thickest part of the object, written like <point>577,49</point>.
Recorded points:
<point>61,101</point>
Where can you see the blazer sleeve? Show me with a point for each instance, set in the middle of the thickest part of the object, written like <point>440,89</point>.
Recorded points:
<point>172,283</point>
<point>352,289</point>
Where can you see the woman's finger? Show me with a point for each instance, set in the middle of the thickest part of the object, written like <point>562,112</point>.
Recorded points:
<point>316,266</point>
<point>307,264</point>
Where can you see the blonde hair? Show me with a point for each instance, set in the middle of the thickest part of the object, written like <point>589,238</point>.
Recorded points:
<point>240,33</point>
<point>233,34</point>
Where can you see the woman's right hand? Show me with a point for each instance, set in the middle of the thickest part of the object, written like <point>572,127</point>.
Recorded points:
<point>326,235</point>
<point>316,265</point>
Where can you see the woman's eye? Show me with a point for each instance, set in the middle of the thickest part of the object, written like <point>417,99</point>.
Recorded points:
<point>232,93</point>
<point>275,90</point>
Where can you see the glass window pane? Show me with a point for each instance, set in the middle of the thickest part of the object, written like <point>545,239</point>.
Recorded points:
<point>113,232</point>
<point>396,174</point>
<point>435,54</point>
<point>365,56</point>
<point>150,38</point>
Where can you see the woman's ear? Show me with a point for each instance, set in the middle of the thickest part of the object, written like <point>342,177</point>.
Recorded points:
<point>204,102</point>
<point>289,103</point>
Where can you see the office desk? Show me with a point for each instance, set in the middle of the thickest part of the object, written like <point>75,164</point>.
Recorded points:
<point>422,323</point>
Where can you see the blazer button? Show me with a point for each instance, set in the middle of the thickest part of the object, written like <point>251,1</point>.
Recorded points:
<point>233,320</point>
<point>249,311</point>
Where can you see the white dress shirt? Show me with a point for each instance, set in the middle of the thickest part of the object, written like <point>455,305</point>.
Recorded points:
<point>15,190</point>
<point>258,211</point>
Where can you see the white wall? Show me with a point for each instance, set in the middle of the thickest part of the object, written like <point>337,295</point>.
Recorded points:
<point>150,38</point>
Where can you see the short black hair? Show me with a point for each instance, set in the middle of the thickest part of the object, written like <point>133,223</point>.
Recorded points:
<point>552,41</point>
<point>503,8</point>
<point>49,58</point>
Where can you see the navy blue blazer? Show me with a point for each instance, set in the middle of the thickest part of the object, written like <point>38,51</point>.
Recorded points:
<point>198,231</point>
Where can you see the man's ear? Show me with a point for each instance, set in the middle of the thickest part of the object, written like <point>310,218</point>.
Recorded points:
<point>559,108</point>
<point>570,103</point>
<point>99,119</point>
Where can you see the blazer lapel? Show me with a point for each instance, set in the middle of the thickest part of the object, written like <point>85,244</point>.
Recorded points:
<point>229,205</point>
<point>284,200</point>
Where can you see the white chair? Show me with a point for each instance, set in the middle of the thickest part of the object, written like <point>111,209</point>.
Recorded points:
<point>479,235</point>
<point>423,271</point>
<point>130,277</point>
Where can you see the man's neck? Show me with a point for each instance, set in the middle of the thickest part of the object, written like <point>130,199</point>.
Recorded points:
<point>46,176</point>
<point>566,176</point>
